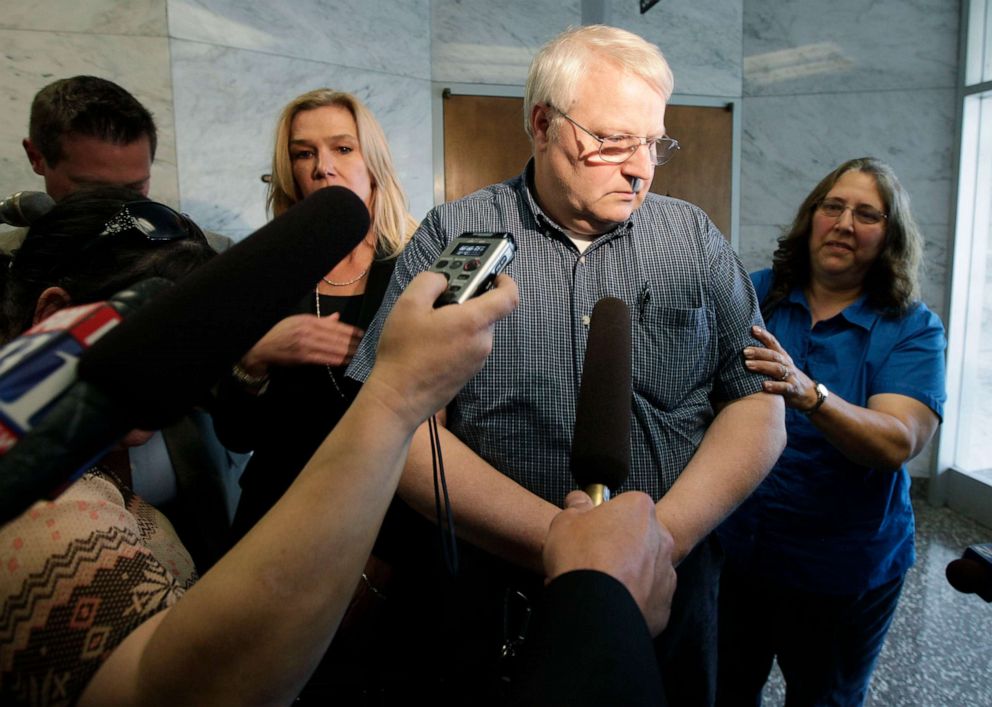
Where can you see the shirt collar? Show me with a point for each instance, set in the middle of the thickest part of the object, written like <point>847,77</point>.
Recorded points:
<point>858,312</point>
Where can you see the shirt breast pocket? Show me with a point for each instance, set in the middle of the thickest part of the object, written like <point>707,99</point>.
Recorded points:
<point>674,354</point>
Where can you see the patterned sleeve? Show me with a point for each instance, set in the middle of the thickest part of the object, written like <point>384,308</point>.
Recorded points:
<point>78,575</point>
<point>420,253</point>
<point>737,310</point>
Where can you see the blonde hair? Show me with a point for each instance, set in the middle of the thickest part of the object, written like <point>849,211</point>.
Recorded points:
<point>391,221</point>
<point>563,62</point>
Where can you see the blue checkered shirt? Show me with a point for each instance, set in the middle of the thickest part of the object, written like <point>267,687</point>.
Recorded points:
<point>692,306</point>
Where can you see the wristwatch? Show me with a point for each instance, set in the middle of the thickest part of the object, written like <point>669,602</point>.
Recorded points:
<point>821,395</point>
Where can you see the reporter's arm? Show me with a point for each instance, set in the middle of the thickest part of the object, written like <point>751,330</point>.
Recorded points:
<point>254,627</point>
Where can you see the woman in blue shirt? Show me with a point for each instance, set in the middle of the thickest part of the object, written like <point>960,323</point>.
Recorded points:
<point>817,555</point>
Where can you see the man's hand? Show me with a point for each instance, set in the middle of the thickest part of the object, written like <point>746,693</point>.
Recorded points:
<point>426,355</point>
<point>622,538</point>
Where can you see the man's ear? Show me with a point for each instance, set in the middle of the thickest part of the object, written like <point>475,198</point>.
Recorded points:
<point>34,157</point>
<point>540,121</point>
<point>49,302</point>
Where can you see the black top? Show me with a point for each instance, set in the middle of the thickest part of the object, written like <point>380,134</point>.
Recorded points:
<point>285,425</point>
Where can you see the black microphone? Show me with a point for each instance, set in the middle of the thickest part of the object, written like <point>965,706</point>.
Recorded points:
<point>160,362</point>
<point>601,441</point>
<point>972,574</point>
<point>58,425</point>
<point>25,207</point>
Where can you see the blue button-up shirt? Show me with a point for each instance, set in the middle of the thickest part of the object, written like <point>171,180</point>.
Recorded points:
<point>691,303</point>
<point>819,521</point>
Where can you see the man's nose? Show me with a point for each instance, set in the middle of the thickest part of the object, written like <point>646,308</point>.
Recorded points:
<point>640,164</point>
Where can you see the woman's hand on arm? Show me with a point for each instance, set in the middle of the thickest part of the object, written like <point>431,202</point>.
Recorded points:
<point>304,339</point>
<point>891,430</point>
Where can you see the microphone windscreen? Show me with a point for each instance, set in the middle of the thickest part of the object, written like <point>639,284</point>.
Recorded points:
<point>25,207</point>
<point>601,441</point>
<point>972,573</point>
<point>161,361</point>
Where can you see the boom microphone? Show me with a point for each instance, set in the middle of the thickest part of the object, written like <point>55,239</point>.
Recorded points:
<point>25,207</point>
<point>160,362</point>
<point>601,442</point>
<point>972,574</point>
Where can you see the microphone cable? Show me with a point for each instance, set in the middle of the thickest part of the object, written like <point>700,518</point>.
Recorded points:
<point>445,520</point>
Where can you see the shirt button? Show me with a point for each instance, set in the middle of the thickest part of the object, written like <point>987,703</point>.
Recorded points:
<point>582,260</point>
<point>585,320</point>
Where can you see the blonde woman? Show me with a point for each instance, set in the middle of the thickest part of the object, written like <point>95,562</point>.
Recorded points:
<point>289,390</point>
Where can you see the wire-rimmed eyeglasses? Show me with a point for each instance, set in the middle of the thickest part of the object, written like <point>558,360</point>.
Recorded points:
<point>620,148</point>
<point>863,214</point>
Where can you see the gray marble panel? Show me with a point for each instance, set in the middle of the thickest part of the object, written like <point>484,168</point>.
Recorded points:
<point>811,46</point>
<point>31,60</point>
<point>145,17</point>
<point>480,41</point>
<point>790,143</point>
<point>227,104</point>
<point>391,35</point>
<point>702,40</point>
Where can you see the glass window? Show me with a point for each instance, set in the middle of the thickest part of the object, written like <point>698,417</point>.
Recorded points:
<point>967,439</point>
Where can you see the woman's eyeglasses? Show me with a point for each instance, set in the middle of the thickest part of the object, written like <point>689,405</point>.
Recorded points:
<point>865,215</point>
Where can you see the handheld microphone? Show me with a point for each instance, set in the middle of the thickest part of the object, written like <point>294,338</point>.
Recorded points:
<point>635,184</point>
<point>25,207</point>
<point>601,441</point>
<point>161,361</point>
<point>972,573</point>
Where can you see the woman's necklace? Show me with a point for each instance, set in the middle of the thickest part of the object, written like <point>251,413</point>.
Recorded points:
<point>351,281</point>
<point>316,299</point>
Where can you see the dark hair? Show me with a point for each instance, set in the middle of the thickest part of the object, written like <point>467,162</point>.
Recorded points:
<point>55,253</point>
<point>90,106</point>
<point>892,283</point>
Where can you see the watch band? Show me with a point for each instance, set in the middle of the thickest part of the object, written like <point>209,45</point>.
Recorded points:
<point>821,395</point>
<point>259,383</point>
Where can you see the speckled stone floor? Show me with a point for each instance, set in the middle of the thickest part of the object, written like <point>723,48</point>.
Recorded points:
<point>939,650</point>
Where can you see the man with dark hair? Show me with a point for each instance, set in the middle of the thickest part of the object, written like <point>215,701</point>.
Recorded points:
<point>86,131</point>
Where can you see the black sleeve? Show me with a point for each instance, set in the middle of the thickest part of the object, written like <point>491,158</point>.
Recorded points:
<point>589,645</point>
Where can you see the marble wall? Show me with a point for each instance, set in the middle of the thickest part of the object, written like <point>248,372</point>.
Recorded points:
<point>478,41</point>
<point>234,66</point>
<point>125,42</point>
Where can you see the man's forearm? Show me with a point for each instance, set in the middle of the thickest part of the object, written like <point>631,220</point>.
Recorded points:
<point>739,448</point>
<point>491,511</point>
